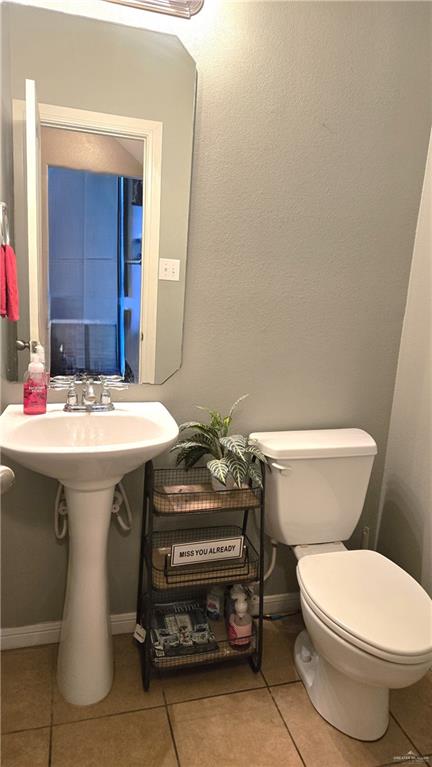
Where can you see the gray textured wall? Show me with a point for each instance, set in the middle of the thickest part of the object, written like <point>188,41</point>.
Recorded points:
<point>311,138</point>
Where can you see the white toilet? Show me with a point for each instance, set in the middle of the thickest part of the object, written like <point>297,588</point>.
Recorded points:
<point>369,624</point>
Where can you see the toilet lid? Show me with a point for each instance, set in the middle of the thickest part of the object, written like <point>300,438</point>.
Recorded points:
<point>371,600</point>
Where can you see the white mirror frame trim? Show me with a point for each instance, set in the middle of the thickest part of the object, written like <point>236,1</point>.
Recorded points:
<point>150,132</point>
<point>32,170</point>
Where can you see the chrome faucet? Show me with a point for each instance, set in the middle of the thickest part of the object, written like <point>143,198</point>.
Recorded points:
<point>88,403</point>
<point>88,393</point>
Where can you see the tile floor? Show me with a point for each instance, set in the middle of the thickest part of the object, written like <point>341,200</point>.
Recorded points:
<point>218,717</point>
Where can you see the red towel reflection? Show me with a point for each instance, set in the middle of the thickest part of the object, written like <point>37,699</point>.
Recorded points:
<point>9,299</point>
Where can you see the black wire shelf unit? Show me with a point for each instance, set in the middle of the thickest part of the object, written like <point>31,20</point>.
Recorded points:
<point>178,495</point>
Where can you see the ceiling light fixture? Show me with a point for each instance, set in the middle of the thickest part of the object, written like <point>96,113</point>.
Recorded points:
<point>183,8</point>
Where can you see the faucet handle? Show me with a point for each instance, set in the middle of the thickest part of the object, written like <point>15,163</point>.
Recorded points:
<point>72,396</point>
<point>105,398</point>
<point>108,383</point>
<point>113,382</point>
<point>61,382</point>
<point>66,383</point>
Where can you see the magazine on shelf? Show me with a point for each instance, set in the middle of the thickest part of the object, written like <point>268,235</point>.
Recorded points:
<point>181,628</point>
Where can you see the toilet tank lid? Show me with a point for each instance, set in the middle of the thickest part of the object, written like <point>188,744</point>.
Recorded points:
<point>318,443</point>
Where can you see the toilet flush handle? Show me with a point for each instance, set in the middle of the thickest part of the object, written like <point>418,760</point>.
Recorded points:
<point>282,469</point>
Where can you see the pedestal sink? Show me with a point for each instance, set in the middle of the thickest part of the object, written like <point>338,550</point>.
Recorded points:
<point>89,453</point>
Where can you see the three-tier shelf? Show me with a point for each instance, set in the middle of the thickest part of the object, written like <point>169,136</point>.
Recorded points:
<point>173,500</point>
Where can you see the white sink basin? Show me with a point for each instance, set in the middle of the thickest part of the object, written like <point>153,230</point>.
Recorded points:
<point>88,453</point>
<point>78,448</point>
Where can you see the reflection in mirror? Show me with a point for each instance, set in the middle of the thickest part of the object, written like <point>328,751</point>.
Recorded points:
<point>94,214</point>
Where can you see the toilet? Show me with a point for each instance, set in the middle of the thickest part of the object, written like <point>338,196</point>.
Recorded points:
<point>369,623</point>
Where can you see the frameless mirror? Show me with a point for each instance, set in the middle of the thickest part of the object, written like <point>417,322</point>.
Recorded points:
<point>103,121</point>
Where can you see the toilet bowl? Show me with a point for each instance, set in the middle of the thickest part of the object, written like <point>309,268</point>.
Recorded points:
<point>369,624</point>
<point>369,629</point>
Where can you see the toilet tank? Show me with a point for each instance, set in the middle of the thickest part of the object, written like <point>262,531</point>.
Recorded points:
<point>316,483</point>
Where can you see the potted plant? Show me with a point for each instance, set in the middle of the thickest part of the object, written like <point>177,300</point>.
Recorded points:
<point>233,456</point>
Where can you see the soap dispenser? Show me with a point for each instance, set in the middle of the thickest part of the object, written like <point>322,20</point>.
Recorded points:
<point>35,384</point>
<point>240,625</point>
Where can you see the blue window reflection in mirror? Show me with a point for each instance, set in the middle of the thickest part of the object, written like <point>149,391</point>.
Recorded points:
<point>94,237</point>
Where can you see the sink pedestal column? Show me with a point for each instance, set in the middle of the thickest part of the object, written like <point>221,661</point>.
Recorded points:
<point>85,663</point>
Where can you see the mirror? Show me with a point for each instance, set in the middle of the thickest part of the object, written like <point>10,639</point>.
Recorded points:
<point>103,120</point>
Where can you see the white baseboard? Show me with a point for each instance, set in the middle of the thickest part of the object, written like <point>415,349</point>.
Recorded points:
<point>123,623</point>
<point>279,604</point>
<point>49,633</point>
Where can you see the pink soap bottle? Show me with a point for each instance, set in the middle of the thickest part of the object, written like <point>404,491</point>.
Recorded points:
<point>35,385</point>
<point>239,626</point>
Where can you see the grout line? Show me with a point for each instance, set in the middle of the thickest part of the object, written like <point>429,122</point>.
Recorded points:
<point>171,729</point>
<point>50,747</point>
<point>216,695</point>
<point>27,729</point>
<point>394,717</point>
<point>53,683</point>
<point>281,684</point>
<point>264,676</point>
<point>287,728</point>
<point>107,716</point>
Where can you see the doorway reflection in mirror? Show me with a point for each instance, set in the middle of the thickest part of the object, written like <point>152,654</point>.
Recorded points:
<point>93,236</point>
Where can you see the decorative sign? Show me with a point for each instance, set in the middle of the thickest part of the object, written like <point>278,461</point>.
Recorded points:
<point>206,551</point>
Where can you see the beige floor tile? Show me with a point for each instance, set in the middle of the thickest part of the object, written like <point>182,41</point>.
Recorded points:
<point>211,680</point>
<point>27,678</point>
<point>278,657</point>
<point>412,708</point>
<point>321,744</point>
<point>241,730</point>
<point>26,749</point>
<point>141,739</point>
<point>127,693</point>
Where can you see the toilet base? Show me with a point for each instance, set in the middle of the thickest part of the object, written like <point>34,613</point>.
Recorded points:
<point>355,709</point>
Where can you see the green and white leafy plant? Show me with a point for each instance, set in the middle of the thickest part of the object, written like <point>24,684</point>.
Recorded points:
<point>233,456</point>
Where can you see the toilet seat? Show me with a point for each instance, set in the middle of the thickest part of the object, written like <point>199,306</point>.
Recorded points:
<point>370,602</point>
